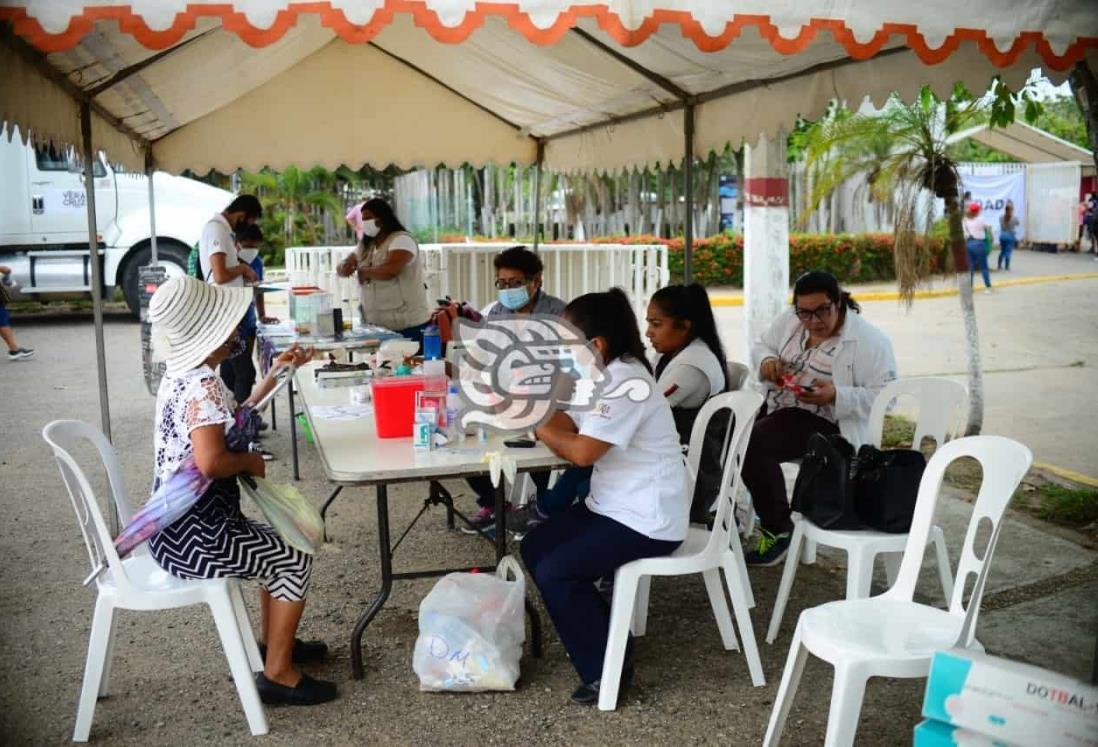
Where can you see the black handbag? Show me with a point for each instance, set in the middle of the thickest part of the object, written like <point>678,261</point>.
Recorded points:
<point>825,489</point>
<point>887,485</point>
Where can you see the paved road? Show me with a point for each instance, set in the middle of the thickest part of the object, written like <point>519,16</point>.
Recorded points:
<point>1039,345</point>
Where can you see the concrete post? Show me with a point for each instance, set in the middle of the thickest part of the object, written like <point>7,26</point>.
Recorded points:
<point>765,236</point>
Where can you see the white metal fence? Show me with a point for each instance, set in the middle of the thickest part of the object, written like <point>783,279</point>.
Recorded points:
<point>465,272</point>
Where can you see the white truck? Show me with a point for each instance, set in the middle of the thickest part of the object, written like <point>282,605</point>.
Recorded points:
<point>44,221</point>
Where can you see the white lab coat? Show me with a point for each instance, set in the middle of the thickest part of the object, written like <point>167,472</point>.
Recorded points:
<point>864,364</point>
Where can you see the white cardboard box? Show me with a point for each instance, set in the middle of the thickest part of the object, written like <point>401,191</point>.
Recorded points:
<point>1016,703</point>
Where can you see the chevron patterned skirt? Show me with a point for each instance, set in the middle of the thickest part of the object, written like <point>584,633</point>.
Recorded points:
<point>215,540</point>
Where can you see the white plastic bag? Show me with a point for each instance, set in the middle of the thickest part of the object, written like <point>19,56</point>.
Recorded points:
<point>471,630</point>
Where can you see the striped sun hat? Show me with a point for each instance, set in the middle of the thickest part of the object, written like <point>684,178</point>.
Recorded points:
<point>191,319</point>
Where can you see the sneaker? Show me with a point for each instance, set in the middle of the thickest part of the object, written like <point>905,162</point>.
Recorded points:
<point>523,520</point>
<point>20,354</point>
<point>770,550</point>
<point>987,291</point>
<point>255,448</point>
<point>483,519</point>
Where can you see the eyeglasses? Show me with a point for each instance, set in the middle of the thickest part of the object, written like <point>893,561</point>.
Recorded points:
<point>820,312</point>
<point>502,284</point>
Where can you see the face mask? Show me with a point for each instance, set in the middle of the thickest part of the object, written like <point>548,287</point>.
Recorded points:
<point>514,298</point>
<point>247,255</point>
<point>370,228</point>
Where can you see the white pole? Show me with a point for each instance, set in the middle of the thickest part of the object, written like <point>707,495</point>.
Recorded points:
<point>766,237</point>
<point>149,171</point>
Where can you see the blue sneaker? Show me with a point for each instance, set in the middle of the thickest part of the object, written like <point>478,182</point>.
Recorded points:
<point>770,549</point>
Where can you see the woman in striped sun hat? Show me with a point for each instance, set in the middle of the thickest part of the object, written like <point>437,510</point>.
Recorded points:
<point>194,327</point>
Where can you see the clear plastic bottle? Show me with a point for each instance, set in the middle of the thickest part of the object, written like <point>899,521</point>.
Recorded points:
<point>434,376</point>
<point>453,410</point>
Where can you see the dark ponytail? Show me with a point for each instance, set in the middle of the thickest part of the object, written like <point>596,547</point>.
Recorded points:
<point>819,281</point>
<point>610,316</point>
<point>690,303</point>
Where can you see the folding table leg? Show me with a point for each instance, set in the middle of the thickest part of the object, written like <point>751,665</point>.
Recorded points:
<point>293,428</point>
<point>324,511</point>
<point>386,581</point>
<point>501,520</point>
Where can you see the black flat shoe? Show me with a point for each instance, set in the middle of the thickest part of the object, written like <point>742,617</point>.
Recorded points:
<point>307,692</point>
<point>305,652</point>
<point>587,695</point>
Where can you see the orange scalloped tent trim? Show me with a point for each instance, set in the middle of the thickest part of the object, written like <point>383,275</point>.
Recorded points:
<point>236,22</point>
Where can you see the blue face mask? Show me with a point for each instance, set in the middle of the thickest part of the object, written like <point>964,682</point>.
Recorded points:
<point>514,298</point>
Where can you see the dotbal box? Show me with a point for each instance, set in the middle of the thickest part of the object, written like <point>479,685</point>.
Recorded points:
<point>1016,703</point>
<point>936,734</point>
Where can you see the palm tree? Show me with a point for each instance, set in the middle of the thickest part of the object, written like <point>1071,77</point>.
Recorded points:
<point>902,152</point>
<point>299,197</point>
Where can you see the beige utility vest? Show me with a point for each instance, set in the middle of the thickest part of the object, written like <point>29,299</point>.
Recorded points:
<point>397,303</point>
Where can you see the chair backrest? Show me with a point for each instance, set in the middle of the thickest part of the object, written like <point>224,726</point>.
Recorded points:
<point>736,374</point>
<point>942,405</point>
<point>1004,463</point>
<point>742,408</point>
<point>63,436</point>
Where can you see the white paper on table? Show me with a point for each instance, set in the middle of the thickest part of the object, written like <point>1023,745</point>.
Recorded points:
<point>341,412</point>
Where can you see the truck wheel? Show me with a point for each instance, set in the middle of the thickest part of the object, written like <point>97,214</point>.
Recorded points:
<point>171,255</point>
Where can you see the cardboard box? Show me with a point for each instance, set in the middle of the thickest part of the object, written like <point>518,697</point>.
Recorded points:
<point>938,734</point>
<point>1015,703</point>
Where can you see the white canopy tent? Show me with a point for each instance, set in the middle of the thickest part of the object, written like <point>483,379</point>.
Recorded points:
<point>596,85</point>
<point>1028,144</point>
<point>272,83</point>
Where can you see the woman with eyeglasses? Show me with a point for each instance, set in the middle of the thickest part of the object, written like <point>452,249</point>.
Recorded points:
<point>389,271</point>
<point>821,365</point>
<point>519,292</point>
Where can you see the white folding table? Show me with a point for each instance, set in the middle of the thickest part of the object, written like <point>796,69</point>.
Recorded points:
<point>353,455</point>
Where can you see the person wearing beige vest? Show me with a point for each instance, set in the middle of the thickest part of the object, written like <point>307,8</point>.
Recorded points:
<point>389,271</point>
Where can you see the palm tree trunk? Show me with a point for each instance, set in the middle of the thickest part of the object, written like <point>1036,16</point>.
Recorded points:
<point>975,421</point>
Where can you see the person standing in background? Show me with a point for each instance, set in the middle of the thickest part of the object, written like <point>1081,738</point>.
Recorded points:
<point>976,239</point>
<point>218,261</point>
<point>15,353</point>
<point>389,271</point>
<point>1008,239</point>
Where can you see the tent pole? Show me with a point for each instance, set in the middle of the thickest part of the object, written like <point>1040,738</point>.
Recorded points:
<point>688,192</point>
<point>96,281</point>
<point>537,194</point>
<point>149,170</point>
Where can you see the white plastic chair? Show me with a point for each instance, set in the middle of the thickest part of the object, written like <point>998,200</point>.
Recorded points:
<point>941,403</point>
<point>737,374</point>
<point>139,583</point>
<point>891,635</point>
<point>705,552</point>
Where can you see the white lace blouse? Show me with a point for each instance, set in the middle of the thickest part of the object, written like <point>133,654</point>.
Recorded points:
<point>184,402</point>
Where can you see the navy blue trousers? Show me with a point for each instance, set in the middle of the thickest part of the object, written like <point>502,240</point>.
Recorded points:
<point>565,556</point>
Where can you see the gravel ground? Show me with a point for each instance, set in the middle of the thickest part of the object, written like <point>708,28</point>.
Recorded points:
<point>170,680</point>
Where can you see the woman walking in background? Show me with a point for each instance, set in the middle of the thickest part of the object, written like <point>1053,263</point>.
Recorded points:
<point>976,242</point>
<point>1008,239</point>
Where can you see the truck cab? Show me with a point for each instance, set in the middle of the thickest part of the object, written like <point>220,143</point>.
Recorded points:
<point>44,220</point>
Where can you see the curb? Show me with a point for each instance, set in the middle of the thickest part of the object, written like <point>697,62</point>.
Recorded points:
<point>737,299</point>
<point>1068,474</point>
